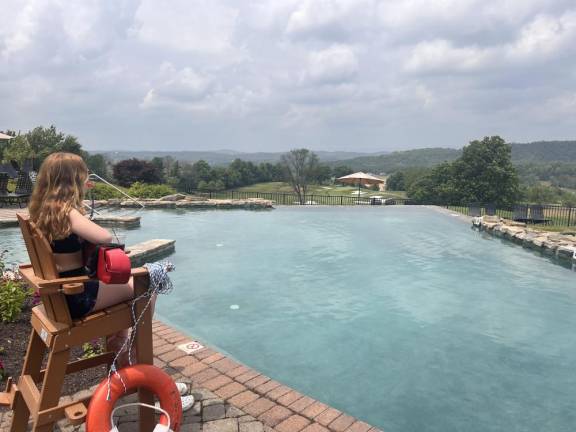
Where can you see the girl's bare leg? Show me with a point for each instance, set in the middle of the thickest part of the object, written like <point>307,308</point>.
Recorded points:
<point>110,295</point>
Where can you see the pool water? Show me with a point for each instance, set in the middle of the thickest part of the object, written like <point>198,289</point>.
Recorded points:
<point>401,316</point>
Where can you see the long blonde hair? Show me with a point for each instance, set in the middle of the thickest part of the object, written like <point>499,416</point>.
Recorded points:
<point>59,189</point>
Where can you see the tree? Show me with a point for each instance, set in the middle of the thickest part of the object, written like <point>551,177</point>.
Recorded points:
<point>97,164</point>
<point>18,149</point>
<point>129,171</point>
<point>45,141</point>
<point>484,173</point>
<point>341,171</point>
<point>159,164</point>
<point>300,166</point>
<point>396,182</point>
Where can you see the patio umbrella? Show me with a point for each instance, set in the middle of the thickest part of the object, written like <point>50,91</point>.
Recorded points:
<point>360,178</point>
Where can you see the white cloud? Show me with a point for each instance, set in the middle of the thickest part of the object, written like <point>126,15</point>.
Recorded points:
<point>192,91</point>
<point>333,65</point>
<point>59,31</point>
<point>203,26</point>
<point>393,68</point>
<point>545,36</point>
<point>329,19</point>
<point>441,55</point>
<point>185,87</point>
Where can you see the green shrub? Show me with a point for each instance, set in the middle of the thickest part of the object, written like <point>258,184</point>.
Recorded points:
<point>102,191</point>
<point>13,295</point>
<point>142,190</point>
<point>91,349</point>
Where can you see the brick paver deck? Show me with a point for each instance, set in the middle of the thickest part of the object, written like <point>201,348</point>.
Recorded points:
<point>230,397</point>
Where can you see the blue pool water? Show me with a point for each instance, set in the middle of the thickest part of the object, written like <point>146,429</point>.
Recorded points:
<point>401,316</point>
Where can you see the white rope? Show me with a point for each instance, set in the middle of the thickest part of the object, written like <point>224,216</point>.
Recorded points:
<point>160,283</point>
<point>157,408</point>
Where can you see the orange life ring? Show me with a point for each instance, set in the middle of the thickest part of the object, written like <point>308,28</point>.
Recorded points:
<point>145,376</point>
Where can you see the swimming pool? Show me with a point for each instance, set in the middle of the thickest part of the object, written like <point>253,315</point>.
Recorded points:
<point>401,316</point>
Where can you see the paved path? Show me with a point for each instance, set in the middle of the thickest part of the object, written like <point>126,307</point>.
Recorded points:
<point>231,397</point>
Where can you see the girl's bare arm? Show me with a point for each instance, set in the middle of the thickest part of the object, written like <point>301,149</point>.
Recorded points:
<point>88,230</point>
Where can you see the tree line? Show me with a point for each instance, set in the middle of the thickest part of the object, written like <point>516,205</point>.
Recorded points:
<point>299,167</point>
<point>484,173</point>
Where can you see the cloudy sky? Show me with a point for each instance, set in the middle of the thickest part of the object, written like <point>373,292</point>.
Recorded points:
<point>270,75</point>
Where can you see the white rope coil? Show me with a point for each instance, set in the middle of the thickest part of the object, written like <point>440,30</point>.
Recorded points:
<point>160,283</point>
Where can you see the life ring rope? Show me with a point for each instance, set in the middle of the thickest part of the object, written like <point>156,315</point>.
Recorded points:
<point>158,428</point>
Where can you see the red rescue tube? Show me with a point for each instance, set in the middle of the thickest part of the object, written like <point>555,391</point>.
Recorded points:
<point>137,376</point>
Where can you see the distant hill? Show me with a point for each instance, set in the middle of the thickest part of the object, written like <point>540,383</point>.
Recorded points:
<point>426,157</point>
<point>535,152</point>
<point>544,151</point>
<point>225,157</point>
<point>381,162</point>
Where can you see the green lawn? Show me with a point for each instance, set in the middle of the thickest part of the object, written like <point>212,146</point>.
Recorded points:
<point>333,190</point>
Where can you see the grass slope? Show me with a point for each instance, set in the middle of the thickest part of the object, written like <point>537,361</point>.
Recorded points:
<point>335,190</point>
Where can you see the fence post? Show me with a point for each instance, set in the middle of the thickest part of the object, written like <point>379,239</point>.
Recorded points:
<point>569,215</point>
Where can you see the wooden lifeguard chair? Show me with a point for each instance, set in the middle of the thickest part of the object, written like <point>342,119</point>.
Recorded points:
<point>54,331</point>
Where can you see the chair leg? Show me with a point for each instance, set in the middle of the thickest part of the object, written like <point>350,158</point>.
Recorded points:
<point>20,414</point>
<point>32,365</point>
<point>145,354</point>
<point>52,384</point>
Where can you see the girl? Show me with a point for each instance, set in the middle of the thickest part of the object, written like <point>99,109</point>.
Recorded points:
<point>56,207</point>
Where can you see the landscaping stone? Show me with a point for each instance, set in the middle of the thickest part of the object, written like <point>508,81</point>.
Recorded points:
<point>183,201</point>
<point>562,246</point>
<point>173,197</point>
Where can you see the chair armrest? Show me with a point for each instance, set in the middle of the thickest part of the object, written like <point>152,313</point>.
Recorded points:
<point>139,271</point>
<point>47,286</point>
<point>61,281</point>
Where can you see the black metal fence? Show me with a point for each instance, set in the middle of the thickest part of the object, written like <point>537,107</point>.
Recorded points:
<point>549,214</point>
<point>554,215</point>
<point>292,199</point>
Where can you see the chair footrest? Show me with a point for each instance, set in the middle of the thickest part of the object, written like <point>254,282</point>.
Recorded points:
<point>76,413</point>
<point>7,396</point>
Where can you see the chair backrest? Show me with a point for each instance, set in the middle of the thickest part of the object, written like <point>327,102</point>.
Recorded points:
<point>520,212</point>
<point>44,267</point>
<point>474,210</point>
<point>491,209</point>
<point>4,177</point>
<point>537,212</point>
<point>38,248</point>
<point>23,184</point>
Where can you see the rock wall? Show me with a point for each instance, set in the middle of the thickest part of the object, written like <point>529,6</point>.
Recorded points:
<point>191,203</point>
<point>559,245</point>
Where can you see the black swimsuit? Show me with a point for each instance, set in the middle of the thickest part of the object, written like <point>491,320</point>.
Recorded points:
<point>83,303</point>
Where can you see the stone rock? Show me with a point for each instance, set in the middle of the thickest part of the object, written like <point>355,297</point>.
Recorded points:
<point>566,252</point>
<point>150,250</point>
<point>173,197</point>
